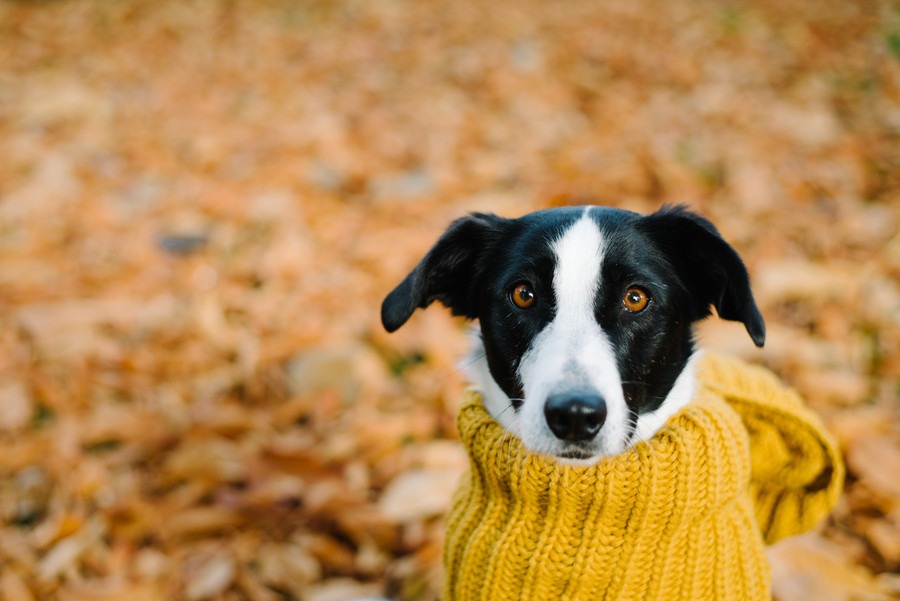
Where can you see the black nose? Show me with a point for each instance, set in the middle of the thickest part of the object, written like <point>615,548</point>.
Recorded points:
<point>575,416</point>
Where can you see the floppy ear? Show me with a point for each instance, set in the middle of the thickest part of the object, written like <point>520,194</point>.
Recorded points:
<point>707,265</point>
<point>447,272</point>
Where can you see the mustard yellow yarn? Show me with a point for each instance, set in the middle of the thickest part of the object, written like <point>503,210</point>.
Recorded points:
<point>684,516</point>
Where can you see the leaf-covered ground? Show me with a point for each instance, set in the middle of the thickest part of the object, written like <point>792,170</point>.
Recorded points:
<point>202,204</point>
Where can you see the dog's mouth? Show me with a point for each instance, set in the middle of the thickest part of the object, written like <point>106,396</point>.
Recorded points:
<point>577,454</point>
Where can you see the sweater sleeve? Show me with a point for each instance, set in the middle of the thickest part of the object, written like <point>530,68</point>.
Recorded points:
<point>796,471</point>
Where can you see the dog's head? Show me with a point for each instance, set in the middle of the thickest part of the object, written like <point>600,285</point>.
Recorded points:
<point>586,317</point>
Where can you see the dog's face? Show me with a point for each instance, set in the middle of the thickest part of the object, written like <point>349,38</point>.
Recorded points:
<point>586,317</point>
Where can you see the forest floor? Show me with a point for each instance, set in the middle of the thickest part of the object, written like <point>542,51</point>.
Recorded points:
<point>202,205</point>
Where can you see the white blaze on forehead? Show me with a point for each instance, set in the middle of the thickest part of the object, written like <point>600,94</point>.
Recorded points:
<point>572,352</point>
<point>577,270</point>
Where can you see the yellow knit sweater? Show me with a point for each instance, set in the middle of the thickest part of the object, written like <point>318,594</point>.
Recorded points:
<point>683,517</point>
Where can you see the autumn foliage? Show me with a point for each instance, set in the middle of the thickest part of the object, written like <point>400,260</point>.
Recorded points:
<point>202,204</point>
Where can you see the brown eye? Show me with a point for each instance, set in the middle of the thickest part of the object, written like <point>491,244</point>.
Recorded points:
<point>635,300</point>
<point>522,296</point>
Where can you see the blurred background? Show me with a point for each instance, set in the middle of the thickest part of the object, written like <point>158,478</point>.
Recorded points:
<point>203,203</point>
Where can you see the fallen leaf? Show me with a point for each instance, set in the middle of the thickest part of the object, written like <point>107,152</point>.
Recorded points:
<point>67,551</point>
<point>792,279</point>
<point>811,567</point>
<point>18,406</point>
<point>212,576</point>
<point>110,590</point>
<point>876,461</point>
<point>288,567</point>
<point>199,521</point>
<point>419,494</point>
<point>13,587</point>
<point>884,535</point>
<point>344,590</point>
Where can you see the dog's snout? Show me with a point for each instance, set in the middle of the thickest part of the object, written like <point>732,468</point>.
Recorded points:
<point>575,416</point>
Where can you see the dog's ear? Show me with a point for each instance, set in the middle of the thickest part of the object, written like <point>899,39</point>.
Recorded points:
<point>708,266</point>
<point>447,271</point>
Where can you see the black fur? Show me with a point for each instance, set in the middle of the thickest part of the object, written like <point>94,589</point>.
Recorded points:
<point>708,267</point>
<point>448,273</point>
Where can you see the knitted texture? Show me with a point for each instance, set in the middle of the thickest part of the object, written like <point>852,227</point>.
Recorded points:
<point>684,516</point>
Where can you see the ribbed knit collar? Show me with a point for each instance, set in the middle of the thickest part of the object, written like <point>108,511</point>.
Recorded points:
<point>700,455</point>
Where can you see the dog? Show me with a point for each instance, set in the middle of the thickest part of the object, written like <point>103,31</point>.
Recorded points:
<point>586,343</point>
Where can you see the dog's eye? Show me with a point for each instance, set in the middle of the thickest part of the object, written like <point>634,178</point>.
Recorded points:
<point>635,300</point>
<point>522,296</point>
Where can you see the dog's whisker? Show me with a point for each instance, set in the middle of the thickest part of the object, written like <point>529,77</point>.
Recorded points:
<point>510,405</point>
<point>471,360</point>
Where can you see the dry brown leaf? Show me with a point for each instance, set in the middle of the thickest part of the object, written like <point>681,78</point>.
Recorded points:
<point>59,526</point>
<point>122,423</point>
<point>151,564</point>
<point>811,567</point>
<point>13,586</point>
<point>66,552</point>
<point>210,459</point>
<point>18,406</point>
<point>200,521</point>
<point>110,590</point>
<point>331,553</point>
<point>850,426</point>
<point>16,549</point>
<point>209,577</point>
<point>876,461</point>
<point>365,523</point>
<point>834,387</point>
<point>343,590</point>
<point>287,566</point>
<point>794,279</point>
<point>884,535</point>
<point>793,348</point>
<point>419,494</point>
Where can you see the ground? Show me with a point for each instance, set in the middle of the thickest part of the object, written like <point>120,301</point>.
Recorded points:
<point>202,205</point>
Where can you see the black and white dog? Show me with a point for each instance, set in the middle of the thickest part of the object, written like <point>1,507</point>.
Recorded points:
<point>586,317</point>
